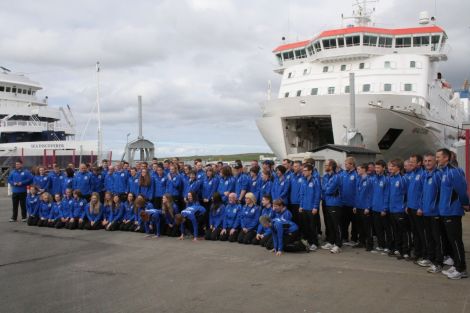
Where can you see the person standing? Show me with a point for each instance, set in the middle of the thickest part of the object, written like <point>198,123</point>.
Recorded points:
<point>348,181</point>
<point>309,205</point>
<point>19,179</point>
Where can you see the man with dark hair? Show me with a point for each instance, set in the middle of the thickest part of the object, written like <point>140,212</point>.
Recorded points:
<point>288,165</point>
<point>308,208</point>
<point>295,184</point>
<point>349,179</point>
<point>19,179</point>
<point>453,200</point>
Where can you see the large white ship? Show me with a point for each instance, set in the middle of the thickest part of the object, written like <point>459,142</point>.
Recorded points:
<point>35,132</point>
<point>402,103</point>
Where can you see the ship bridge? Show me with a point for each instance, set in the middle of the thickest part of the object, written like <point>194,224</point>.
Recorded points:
<point>360,42</point>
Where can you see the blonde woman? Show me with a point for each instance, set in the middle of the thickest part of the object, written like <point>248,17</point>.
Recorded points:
<point>94,212</point>
<point>45,206</point>
<point>249,220</point>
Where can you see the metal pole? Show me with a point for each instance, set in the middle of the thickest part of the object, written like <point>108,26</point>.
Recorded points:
<point>140,117</point>
<point>100,133</point>
<point>352,102</point>
<point>467,158</point>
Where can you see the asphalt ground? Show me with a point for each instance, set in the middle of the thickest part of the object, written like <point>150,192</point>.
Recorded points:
<point>49,270</point>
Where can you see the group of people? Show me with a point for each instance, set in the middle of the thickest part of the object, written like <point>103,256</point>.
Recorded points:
<point>413,208</point>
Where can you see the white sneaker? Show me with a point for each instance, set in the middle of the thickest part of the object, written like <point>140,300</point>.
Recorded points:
<point>448,271</point>
<point>457,275</point>
<point>313,247</point>
<point>350,243</point>
<point>396,252</point>
<point>386,250</point>
<point>305,243</point>
<point>335,249</point>
<point>424,263</point>
<point>327,246</point>
<point>148,236</point>
<point>379,249</point>
<point>434,269</point>
<point>449,261</point>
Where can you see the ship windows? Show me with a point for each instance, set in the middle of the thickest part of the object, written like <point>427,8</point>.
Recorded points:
<point>385,42</point>
<point>353,41</point>
<point>331,90</point>
<point>29,92</point>
<point>420,41</point>
<point>13,89</point>
<point>306,71</point>
<point>325,69</point>
<point>20,91</point>
<point>412,64</point>
<point>329,43</point>
<point>343,67</point>
<point>279,58</point>
<point>8,89</point>
<point>300,54</point>
<point>366,88</point>
<point>286,95</point>
<point>314,91</point>
<point>299,93</point>
<point>387,64</point>
<point>310,50</point>
<point>346,89</point>
<point>435,42</point>
<point>2,88</point>
<point>388,87</point>
<point>289,75</point>
<point>370,40</point>
<point>24,91</point>
<point>408,87</point>
<point>341,42</point>
<point>317,46</point>
<point>289,55</point>
<point>403,42</point>
<point>362,66</point>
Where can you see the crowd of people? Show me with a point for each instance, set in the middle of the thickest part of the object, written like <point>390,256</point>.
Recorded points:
<point>413,208</point>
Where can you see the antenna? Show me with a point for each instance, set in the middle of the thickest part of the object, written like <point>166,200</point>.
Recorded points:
<point>100,133</point>
<point>362,16</point>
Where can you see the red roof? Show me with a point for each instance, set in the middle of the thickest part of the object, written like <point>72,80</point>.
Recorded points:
<point>363,29</point>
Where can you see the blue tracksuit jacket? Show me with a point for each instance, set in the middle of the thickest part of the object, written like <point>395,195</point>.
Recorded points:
<point>431,186</point>
<point>348,187</point>
<point>380,193</point>
<point>295,185</point>
<point>310,194</point>
<point>43,182</point>
<point>226,184</point>
<point>453,193</point>
<point>280,189</point>
<point>415,189</point>
<point>20,176</point>
<point>191,214</point>
<point>249,218</point>
<point>32,204</point>
<point>279,228</point>
<point>364,190</point>
<point>83,182</point>
<point>331,189</point>
<point>120,181</point>
<point>398,187</point>
<point>56,183</point>
<point>160,185</point>
<point>216,217</point>
<point>232,216</point>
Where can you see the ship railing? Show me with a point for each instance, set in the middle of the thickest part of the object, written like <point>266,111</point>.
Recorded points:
<point>40,126</point>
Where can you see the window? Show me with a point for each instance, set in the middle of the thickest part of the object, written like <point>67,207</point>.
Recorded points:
<point>361,66</point>
<point>20,91</point>
<point>305,71</point>
<point>29,92</point>
<point>8,89</point>
<point>279,58</point>
<point>13,89</point>
<point>435,42</point>
<point>340,42</point>
<point>370,40</point>
<point>385,42</point>
<point>286,95</point>
<point>329,43</point>
<point>403,42</point>
<point>24,91</point>
<point>300,54</point>
<point>325,69</point>
<point>412,64</point>
<point>387,87</point>
<point>387,64</point>
<point>353,41</point>
<point>299,93</point>
<point>317,46</point>
<point>346,89</point>
<point>289,55</point>
<point>366,88</point>
<point>314,91</point>
<point>408,87</point>
<point>310,50</point>
<point>33,93</point>
<point>2,88</point>
<point>343,67</point>
<point>289,75</point>
<point>331,90</point>
<point>420,41</point>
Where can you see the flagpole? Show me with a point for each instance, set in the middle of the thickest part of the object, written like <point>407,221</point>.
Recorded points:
<point>100,133</point>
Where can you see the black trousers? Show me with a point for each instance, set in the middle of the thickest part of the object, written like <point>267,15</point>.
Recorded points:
<point>213,234</point>
<point>263,241</point>
<point>228,237</point>
<point>349,218</point>
<point>246,238</point>
<point>95,226</point>
<point>417,229</point>
<point>113,226</point>
<point>59,224</point>
<point>43,222</point>
<point>325,221</point>
<point>18,199</point>
<point>292,243</point>
<point>366,223</point>
<point>453,229</point>
<point>294,209</point>
<point>170,231</point>
<point>207,206</point>
<point>127,227</point>
<point>439,240</point>
<point>383,230</point>
<point>334,225</point>
<point>33,220</point>
<point>308,226</point>
<point>401,232</point>
<point>429,239</point>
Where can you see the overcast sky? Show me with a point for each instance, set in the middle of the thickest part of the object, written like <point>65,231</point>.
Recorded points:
<point>202,66</point>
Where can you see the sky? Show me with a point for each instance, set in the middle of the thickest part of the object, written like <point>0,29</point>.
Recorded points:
<point>201,66</point>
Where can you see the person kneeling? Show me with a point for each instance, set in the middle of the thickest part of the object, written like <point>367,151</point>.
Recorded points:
<point>192,216</point>
<point>216,217</point>
<point>94,213</point>
<point>285,235</point>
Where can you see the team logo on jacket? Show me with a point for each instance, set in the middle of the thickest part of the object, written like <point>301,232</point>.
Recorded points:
<point>444,177</point>
<point>122,174</point>
<point>81,203</point>
<point>310,184</point>
<point>397,184</point>
<point>136,181</point>
<point>282,184</point>
<point>381,184</point>
<point>254,183</point>
<point>86,177</point>
<point>364,184</point>
<point>22,173</point>
<point>300,180</point>
<point>252,211</point>
<point>430,181</point>
<point>417,177</point>
<point>210,183</point>
<point>234,210</point>
<point>226,183</point>
<point>163,179</point>
<point>351,177</point>
<point>45,178</point>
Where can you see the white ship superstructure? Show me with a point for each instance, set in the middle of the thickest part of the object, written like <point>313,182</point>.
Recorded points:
<point>30,128</point>
<point>403,104</point>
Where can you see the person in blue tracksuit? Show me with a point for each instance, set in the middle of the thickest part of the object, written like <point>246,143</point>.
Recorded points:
<point>226,183</point>
<point>121,177</point>
<point>192,218</point>
<point>331,195</point>
<point>94,213</point>
<point>56,216</point>
<point>216,218</point>
<point>263,235</point>
<point>140,204</point>
<point>78,216</point>
<point>362,208</point>
<point>45,206</point>
<point>146,185</point>
<point>453,201</point>
<point>56,179</point>
<point>83,182</point>
<point>116,214</point>
<point>106,209</point>
<point>133,181</point>
<point>209,186</point>
<point>167,218</point>
<point>266,183</point>
<point>160,181</point>
<point>432,221</point>
<point>295,184</point>
<point>98,181</point>
<point>249,220</point>
<point>32,205</point>
<point>231,222</point>
<point>280,187</point>
<point>151,219</point>
<point>192,184</point>
<point>398,186</point>
<point>128,217</point>
<point>285,235</point>
<point>175,186</point>
<point>255,183</point>
<point>380,209</point>
<point>67,205</point>
<point>19,179</point>
<point>109,180</point>
<point>242,182</point>
<point>67,182</point>
<point>41,180</point>
<point>309,206</point>
<point>348,183</point>
<point>200,173</point>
